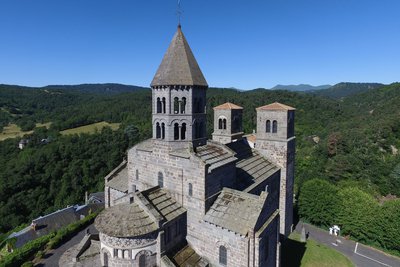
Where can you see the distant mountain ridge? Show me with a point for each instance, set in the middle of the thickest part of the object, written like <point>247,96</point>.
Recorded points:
<point>100,88</point>
<point>301,87</point>
<point>346,89</point>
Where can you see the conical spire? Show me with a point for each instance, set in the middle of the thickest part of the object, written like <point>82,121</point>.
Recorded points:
<point>179,67</point>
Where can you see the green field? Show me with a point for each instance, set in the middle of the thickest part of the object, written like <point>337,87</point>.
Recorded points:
<point>13,130</point>
<point>91,128</point>
<point>311,254</point>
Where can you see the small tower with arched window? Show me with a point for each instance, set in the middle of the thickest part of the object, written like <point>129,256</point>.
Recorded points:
<point>276,141</point>
<point>179,97</point>
<point>227,123</point>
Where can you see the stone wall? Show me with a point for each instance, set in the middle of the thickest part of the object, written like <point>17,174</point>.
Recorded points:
<point>279,149</point>
<point>225,136</point>
<point>111,195</point>
<point>124,252</point>
<point>266,244</point>
<point>210,239</point>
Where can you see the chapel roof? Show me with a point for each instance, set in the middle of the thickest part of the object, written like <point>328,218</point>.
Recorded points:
<point>163,202</point>
<point>276,106</point>
<point>251,168</point>
<point>236,211</point>
<point>125,220</point>
<point>215,155</point>
<point>118,178</point>
<point>179,66</point>
<point>227,105</point>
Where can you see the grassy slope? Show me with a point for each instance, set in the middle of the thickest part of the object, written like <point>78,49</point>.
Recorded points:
<point>91,128</point>
<point>311,254</point>
<point>13,130</point>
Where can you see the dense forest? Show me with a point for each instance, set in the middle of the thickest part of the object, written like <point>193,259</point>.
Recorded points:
<point>351,142</point>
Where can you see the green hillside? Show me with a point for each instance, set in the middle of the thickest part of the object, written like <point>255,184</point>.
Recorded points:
<point>353,141</point>
<point>341,90</point>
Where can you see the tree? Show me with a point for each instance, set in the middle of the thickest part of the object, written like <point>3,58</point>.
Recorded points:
<point>356,213</point>
<point>387,225</point>
<point>318,202</point>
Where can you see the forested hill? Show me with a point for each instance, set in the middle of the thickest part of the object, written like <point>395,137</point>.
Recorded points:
<point>101,88</point>
<point>341,90</point>
<point>349,141</point>
<point>301,87</point>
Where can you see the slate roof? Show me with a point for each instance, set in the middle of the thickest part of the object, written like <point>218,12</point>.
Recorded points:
<point>276,106</point>
<point>251,167</point>
<point>179,66</point>
<point>188,257</point>
<point>215,155</point>
<point>227,105</point>
<point>125,220</point>
<point>118,178</point>
<point>55,220</point>
<point>164,203</point>
<point>235,210</point>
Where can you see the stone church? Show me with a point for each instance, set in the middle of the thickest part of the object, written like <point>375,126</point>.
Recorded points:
<point>183,200</point>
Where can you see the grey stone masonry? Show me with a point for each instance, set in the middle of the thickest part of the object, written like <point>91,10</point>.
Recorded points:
<point>227,123</point>
<point>276,142</point>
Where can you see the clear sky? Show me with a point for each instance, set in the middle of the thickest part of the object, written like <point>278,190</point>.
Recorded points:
<point>238,43</point>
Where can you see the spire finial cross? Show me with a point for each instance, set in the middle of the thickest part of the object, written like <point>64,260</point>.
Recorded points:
<point>179,12</point>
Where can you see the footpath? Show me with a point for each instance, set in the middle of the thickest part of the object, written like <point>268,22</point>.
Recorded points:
<point>51,259</point>
<point>360,255</point>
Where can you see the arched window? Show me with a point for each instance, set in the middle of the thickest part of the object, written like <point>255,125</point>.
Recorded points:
<point>176,131</point>
<point>199,106</point>
<point>137,174</point>
<point>158,130</point>
<point>195,104</point>
<point>176,105</point>
<point>158,105</point>
<point>162,130</point>
<point>163,105</point>
<point>160,179</point>
<point>142,260</point>
<point>183,105</point>
<point>220,124</point>
<point>223,256</point>
<point>274,126</point>
<point>183,131</point>
<point>268,126</point>
<point>236,124</point>
<point>224,124</point>
<point>200,130</point>
<point>190,189</point>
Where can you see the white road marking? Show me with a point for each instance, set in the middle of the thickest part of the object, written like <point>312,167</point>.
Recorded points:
<point>355,251</point>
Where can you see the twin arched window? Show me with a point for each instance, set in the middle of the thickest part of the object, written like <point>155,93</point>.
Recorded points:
<point>274,126</point>
<point>160,105</point>
<point>222,123</point>
<point>198,129</point>
<point>198,105</point>
<point>160,130</point>
<point>179,105</point>
<point>223,256</point>
<point>179,131</point>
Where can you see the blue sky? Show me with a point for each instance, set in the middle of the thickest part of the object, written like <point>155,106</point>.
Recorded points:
<point>237,43</point>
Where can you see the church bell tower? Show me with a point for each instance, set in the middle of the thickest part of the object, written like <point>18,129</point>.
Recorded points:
<point>179,97</point>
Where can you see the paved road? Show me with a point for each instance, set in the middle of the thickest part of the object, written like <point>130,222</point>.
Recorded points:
<point>360,255</point>
<point>52,258</point>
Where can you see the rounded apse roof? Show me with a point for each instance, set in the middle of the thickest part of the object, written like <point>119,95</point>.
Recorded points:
<point>125,220</point>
